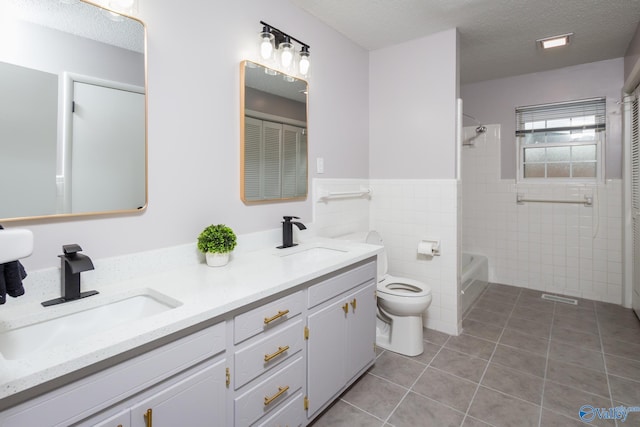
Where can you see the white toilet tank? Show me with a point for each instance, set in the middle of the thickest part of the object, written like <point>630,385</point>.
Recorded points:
<point>373,238</point>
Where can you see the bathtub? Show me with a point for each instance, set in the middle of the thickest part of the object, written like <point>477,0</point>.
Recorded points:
<point>474,277</point>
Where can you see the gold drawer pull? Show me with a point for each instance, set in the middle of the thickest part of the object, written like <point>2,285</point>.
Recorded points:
<point>281,350</point>
<point>148,418</point>
<point>345,307</point>
<point>268,320</point>
<point>353,304</point>
<point>281,391</point>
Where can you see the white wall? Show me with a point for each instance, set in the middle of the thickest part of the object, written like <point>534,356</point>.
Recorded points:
<point>413,89</point>
<point>494,101</point>
<point>194,52</point>
<point>568,249</point>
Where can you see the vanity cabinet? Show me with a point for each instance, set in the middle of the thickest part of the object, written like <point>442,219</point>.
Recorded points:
<point>278,362</point>
<point>169,375</point>
<point>341,334</point>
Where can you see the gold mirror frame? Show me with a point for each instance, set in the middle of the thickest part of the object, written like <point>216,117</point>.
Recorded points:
<point>68,73</point>
<point>272,98</point>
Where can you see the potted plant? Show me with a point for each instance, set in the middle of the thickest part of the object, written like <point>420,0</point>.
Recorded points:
<point>217,242</point>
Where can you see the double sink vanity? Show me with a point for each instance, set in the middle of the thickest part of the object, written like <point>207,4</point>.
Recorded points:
<point>270,339</point>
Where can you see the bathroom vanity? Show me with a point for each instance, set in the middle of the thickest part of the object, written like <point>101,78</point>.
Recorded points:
<point>271,339</point>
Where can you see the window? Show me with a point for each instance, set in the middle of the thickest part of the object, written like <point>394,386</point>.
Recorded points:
<point>561,141</point>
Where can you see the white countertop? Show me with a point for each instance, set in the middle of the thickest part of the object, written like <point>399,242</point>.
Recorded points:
<point>204,293</point>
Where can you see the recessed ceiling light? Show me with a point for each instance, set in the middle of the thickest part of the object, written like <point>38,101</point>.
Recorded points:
<point>555,41</point>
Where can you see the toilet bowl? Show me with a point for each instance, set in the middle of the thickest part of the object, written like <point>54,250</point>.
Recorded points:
<point>401,302</point>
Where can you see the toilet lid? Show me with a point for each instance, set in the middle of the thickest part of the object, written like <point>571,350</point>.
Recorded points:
<point>373,238</point>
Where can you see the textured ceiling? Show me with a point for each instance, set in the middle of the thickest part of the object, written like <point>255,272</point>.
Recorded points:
<point>80,19</point>
<point>497,37</point>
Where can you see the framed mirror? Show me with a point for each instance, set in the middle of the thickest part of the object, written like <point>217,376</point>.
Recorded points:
<point>273,135</point>
<point>72,110</point>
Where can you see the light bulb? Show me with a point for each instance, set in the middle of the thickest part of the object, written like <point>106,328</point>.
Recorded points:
<point>304,63</point>
<point>266,43</point>
<point>286,53</point>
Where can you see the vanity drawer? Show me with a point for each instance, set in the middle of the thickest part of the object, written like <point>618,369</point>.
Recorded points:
<point>341,283</point>
<point>267,353</point>
<point>267,316</point>
<point>291,415</point>
<point>269,394</point>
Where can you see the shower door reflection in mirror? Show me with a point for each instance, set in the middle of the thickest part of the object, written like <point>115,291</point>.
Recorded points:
<point>273,135</point>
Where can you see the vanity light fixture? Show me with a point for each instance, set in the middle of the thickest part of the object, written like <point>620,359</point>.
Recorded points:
<point>275,42</point>
<point>555,41</point>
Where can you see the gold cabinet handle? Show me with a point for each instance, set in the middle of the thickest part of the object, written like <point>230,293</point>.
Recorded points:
<point>281,391</point>
<point>345,307</point>
<point>281,313</point>
<point>281,350</point>
<point>227,377</point>
<point>353,304</point>
<point>148,418</point>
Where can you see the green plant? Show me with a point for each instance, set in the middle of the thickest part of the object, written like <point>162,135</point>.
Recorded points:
<point>217,238</point>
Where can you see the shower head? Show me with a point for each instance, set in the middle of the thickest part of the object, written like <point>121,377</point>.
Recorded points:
<point>481,129</point>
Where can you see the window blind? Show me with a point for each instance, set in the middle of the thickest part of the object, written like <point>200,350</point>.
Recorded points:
<point>588,114</point>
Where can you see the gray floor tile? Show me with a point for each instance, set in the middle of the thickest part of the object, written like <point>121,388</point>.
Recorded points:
<point>575,338</point>
<point>520,360</point>
<point>342,414</point>
<point>529,327</point>
<point>620,332</point>
<point>374,395</point>
<point>578,377</point>
<point>526,342</point>
<point>501,410</point>
<point>416,410</point>
<point>567,400</point>
<point>494,306</point>
<point>398,369</point>
<point>445,388</point>
<point>500,297</point>
<point>552,419</point>
<point>505,289</point>
<point>533,315</point>
<point>473,422</point>
<point>486,316</point>
<point>435,337</point>
<point>622,367</point>
<point>621,348</point>
<point>429,352</point>
<point>514,383</point>
<point>576,355</point>
<point>481,330</point>
<point>471,345</point>
<point>625,390</point>
<point>576,324</point>
<point>576,315</point>
<point>459,364</point>
<point>536,303</point>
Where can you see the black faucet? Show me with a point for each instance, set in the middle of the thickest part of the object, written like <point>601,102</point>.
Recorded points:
<point>287,231</point>
<point>72,264</point>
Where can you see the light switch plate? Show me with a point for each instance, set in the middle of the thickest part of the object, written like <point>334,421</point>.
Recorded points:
<point>320,165</point>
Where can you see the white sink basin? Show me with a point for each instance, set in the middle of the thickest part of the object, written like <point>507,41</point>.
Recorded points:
<point>316,253</point>
<point>15,243</point>
<point>22,341</point>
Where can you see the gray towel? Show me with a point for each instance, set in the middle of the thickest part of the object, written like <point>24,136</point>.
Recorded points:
<point>11,276</point>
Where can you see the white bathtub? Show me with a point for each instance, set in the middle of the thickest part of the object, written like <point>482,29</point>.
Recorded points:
<point>474,277</point>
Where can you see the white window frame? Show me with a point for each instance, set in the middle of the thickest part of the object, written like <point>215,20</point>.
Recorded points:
<point>598,141</point>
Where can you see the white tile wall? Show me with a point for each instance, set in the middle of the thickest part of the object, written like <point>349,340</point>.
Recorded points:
<point>564,248</point>
<point>403,212</point>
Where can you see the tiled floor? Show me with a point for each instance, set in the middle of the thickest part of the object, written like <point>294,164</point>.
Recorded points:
<point>521,361</point>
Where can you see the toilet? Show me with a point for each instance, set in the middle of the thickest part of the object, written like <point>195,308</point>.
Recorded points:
<point>401,302</point>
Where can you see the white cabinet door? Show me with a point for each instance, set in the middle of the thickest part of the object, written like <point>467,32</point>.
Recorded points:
<point>361,329</point>
<point>198,400</point>
<point>121,419</point>
<point>326,363</point>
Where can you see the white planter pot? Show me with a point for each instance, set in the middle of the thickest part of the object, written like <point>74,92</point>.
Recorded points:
<point>217,259</point>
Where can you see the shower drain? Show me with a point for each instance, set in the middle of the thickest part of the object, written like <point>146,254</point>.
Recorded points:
<point>560,299</point>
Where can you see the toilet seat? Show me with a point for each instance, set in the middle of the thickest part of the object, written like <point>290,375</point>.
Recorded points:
<point>403,287</point>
